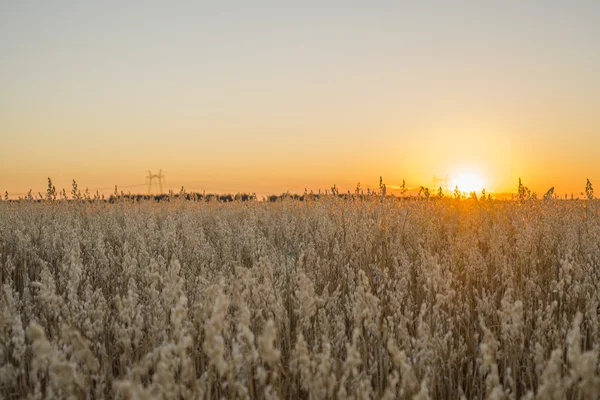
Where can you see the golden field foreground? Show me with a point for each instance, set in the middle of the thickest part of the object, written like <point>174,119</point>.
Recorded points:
<point>323,299</point>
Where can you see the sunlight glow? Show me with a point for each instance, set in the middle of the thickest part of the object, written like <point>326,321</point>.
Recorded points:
<point>468,182</point>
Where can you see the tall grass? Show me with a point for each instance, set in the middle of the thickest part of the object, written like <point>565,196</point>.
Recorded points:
<point>323,299</point>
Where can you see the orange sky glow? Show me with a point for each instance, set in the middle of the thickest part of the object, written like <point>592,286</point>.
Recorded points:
<point>270,97</point>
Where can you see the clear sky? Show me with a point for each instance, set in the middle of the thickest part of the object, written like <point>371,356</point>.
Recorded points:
<point>274,96</point>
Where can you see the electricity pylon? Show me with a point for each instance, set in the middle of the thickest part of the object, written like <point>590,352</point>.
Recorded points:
<point>151,177</point>
<point>442,180</point>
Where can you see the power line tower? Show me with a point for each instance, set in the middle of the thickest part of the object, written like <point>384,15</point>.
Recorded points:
<point>437,181</point>
<point>160,177</point>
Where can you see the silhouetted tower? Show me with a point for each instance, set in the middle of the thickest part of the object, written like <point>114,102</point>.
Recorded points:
<point>151,177</point>
<point>437,181</point>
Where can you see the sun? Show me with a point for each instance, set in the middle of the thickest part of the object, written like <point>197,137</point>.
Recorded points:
<point>468,182</point>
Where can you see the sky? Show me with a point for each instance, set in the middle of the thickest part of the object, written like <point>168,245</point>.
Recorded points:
<point>273,96</point>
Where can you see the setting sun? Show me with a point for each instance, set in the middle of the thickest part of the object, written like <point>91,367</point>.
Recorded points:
<point>468,182</point>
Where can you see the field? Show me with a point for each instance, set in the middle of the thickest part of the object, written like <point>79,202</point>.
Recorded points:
<point>332,298</point>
